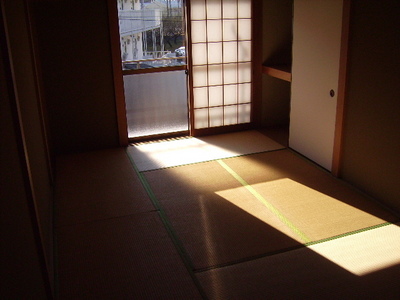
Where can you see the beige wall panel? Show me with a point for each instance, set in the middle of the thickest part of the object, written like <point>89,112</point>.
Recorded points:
<point>74,42</point>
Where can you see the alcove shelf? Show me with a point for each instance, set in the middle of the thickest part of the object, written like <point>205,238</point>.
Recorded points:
<point>278,71</point>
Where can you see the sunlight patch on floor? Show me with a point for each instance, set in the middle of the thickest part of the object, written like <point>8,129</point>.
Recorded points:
<point>360,253</point>
<point>310,214</point>
<point>178,152</point>
<point>270,215</point>
<point>364,252</point>
<point>181,151</point>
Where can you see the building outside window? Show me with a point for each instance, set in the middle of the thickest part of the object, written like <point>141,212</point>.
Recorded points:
<point>152,33</point>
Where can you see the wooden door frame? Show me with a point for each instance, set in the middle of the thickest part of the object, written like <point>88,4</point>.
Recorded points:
<point>257,60</point>
<point>341,97</point>
<point>117,73</point>
<point>17,122</point>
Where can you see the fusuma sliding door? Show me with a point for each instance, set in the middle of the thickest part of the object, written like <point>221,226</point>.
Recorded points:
<point>318,77</point>
<point>220,42</point>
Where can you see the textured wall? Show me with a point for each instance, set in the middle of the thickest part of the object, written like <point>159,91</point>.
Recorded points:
<point>74,44</point>
<point>372,136</point>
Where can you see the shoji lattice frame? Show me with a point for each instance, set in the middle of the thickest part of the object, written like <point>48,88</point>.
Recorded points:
<point>220,39</point>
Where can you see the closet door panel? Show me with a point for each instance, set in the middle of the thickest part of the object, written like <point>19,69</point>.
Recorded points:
<point>317,29</point>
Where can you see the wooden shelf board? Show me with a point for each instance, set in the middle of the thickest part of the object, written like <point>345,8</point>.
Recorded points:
<point>282,72</point>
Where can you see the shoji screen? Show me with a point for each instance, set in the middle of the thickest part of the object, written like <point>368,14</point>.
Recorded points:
<point>221,62</point>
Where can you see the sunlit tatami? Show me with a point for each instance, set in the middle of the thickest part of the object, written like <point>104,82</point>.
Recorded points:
<point>237,216</point>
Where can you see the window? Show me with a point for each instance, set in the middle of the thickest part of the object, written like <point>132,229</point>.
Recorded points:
<point>152,33</point>
<point>218,60</point>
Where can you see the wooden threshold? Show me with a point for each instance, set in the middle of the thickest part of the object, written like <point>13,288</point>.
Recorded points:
<point>160,136</point>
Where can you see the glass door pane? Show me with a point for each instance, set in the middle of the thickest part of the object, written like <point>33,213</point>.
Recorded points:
<point>156,103</point>
<point>153,61</point>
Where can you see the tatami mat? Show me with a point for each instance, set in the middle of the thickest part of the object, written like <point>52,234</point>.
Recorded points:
<point>175,152</point>
<point>129,257</point>
<point>361,266</point>
<point>236,227</point>
<point>98,185</point>
<point>319,205</point>
<point>287,202</point>
<point>213,230</point>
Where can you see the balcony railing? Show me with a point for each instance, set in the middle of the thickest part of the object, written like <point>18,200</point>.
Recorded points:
<point>136,21</point>
<point>155,54</point>
<point>154,63</point>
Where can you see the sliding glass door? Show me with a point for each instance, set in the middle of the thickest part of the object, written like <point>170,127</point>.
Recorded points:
<point>161,43</point>
<point>153,57</point>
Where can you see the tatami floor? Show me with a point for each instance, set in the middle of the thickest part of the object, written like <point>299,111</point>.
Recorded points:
<point>235,216</point>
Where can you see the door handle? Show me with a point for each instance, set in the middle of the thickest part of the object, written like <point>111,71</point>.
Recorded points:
<point>332,93</point>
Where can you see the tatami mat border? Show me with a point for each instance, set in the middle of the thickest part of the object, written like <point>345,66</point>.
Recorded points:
<point>168,226</point>
<point>266,203</point>
<point>348,234</point>
<point>248,258</point>
<point>269,254</point>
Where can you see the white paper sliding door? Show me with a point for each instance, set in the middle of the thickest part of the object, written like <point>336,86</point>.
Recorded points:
<point>317,38</point>
<point>221,68</point>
